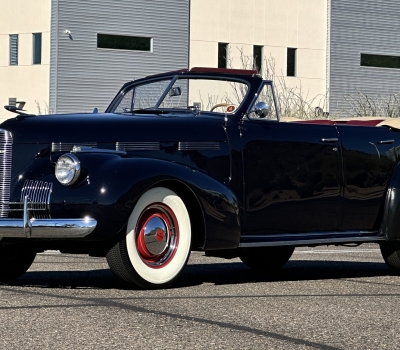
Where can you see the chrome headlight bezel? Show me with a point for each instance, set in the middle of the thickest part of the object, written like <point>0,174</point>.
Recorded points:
<point>73,169</point>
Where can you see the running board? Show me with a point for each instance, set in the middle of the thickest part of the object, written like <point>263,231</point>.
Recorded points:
<point>314,238</point>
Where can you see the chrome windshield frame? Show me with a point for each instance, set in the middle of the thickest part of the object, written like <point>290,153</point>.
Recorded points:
<point>132,86</point>
<point>170,85</point>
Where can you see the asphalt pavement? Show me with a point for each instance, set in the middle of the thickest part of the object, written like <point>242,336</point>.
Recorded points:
<point>324,298</point>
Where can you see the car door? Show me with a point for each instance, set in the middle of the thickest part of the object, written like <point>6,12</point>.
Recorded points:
<point>368,160</point>
<point>291,176</point>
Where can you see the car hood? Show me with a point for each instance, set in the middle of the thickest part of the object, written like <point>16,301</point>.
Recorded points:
<point>107,127</point>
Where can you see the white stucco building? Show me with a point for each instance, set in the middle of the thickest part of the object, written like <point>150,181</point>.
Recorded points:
<point>326,47</point>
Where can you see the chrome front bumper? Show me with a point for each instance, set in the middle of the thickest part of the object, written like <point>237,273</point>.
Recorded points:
<point>45,228</point>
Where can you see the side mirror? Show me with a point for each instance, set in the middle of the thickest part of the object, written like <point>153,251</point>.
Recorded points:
<point>261,109</point>
<point>175,91</point>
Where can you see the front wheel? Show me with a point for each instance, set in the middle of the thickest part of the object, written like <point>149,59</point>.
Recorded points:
<point>266,258</point>
<point>156,247</point>
<point>14,262</point>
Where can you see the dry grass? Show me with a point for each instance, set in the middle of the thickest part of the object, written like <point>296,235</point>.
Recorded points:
<point>363,105</point>
<point>295,102</point>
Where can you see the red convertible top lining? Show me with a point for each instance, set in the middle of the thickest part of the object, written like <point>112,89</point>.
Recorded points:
<point>347,122</point>
<point>223,70</point>
<point>210,70</point>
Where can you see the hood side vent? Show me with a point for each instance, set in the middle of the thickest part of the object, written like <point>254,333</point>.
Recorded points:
<point>137,146</point>
<point>199,146</point>
<point>68,146</point>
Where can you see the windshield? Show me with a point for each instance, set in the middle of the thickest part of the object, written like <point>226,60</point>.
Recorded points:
<point>217,96</point>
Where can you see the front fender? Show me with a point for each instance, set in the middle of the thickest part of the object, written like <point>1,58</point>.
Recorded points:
<point>114,185</point>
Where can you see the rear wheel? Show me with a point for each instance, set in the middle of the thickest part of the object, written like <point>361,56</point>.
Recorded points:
<point>391,254</point>
<point>157,243</point>
<point>14,263</point>
<point>266,258</point>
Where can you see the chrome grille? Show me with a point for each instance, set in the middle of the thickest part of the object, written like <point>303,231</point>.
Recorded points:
<point>38,193</point>
<point>137,146</point>
<point>67,146</point>
<point>5,171</point>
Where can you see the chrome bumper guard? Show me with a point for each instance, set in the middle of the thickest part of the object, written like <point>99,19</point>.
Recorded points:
<point>45,228</point>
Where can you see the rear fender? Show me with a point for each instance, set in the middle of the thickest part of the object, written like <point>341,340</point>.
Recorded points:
<point>391,217</point>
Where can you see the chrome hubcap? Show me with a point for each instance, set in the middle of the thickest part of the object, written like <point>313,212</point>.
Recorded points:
<point>157,235</point>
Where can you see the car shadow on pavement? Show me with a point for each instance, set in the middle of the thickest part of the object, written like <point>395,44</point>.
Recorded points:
<point>229,273</point>
<point>95,279</point>
<point>294,270</point>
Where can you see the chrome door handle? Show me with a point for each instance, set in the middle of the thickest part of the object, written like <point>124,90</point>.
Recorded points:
<point>330,140</point>
<point>385,142</point>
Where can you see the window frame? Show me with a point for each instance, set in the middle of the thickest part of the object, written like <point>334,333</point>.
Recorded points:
<point>223,47</point>
<point>34,48</point>
<point>255,56</point>
<point>13,61</point>
<point>150,44</point>
<point>377,56</point>
<point>291,62</point>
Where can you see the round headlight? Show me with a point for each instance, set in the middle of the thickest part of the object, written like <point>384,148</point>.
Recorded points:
<point>68,169</point>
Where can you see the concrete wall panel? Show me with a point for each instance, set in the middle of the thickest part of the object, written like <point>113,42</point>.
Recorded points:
<point>84,76</point>
<point>362,26</point>
<point>26,82</point>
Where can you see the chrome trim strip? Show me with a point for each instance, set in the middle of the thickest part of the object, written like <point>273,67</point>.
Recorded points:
<point>330,140</point>
<point>68,146</point>
<point>335,237</point>
<point>312,242</point>
<point>199,146</point>
<point>85,149</point>
<point>137,146</point>
<point>6,142</point>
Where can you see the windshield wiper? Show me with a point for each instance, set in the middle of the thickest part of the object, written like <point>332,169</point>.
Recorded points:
<point>152,110</point>
<point>144,110</point>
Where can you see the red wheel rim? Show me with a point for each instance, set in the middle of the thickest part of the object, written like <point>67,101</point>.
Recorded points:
<point>157,235</point>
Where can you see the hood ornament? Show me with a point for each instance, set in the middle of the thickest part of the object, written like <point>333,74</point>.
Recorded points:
<point>17,109</point>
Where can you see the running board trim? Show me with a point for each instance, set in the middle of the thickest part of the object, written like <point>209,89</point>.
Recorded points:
<point>314,238</point>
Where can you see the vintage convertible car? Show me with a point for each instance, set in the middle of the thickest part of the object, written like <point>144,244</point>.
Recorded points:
<point>193,160</point>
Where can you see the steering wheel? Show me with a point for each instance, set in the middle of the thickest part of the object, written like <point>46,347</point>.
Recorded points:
<point>230,107</point>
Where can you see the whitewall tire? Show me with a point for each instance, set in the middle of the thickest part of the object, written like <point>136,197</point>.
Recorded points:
<point>157,243</point>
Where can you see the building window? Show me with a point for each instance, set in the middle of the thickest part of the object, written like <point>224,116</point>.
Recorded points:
<point>291,62</point>
<point>37,48</point>
<point>257,57</point>
<point>123,42</point>
<point>380,61</point>
<point>13,49</point>
<point>222,55</point>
